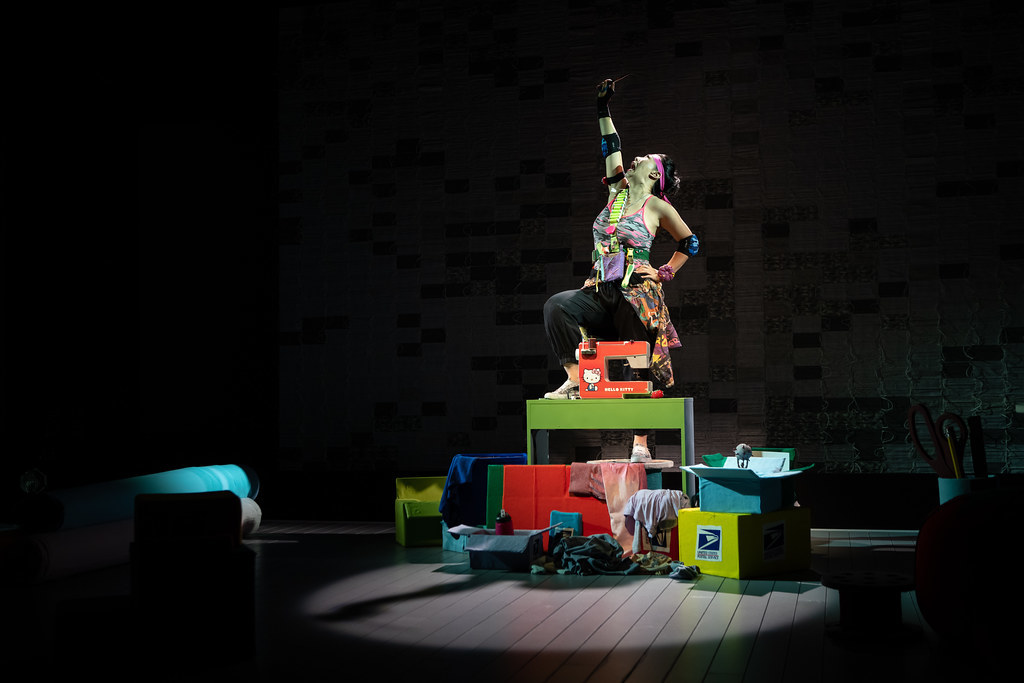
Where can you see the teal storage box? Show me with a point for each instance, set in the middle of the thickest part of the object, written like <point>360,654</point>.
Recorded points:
<point>564,520</point>
<point>452,541</point>
<point>743,490</point>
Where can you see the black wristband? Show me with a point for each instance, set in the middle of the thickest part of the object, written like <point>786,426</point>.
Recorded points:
<point>604,94</point>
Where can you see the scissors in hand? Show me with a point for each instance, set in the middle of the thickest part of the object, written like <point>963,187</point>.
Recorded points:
<point>948,435</point>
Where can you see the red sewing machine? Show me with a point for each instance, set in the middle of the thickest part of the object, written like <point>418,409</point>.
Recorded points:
<point>595,379</point>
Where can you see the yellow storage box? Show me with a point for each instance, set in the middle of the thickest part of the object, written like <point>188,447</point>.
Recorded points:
<point>741,546</point>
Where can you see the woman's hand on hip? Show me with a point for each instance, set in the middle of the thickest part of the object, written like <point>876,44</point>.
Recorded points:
<point>647,272</point>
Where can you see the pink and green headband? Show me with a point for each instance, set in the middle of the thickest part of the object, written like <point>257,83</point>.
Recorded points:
<point>661,170</point>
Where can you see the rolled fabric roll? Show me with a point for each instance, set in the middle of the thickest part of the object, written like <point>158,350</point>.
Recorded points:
<point>252,515</point>
<point>115,500</point>
<point>64,553</point>
<point>57,554</point>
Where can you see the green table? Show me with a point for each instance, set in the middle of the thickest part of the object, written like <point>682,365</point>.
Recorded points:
<point>607,413</point>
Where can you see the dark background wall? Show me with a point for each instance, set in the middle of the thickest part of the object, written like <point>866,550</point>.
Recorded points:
<point>318,240</point>
<point>139,265</point>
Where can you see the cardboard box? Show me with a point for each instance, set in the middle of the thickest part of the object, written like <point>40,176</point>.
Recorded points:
<point>664,542</point>
<point>757,489</point>
<point>742,546</point>
<point>488,550</point>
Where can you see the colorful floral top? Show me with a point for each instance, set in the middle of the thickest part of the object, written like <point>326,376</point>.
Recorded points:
<point>648,297</point>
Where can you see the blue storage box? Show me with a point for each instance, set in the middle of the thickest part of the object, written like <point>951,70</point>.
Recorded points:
<point>465,496</point>
<point>515,552</point>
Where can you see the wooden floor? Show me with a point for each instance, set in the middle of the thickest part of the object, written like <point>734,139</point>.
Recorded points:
<point>332,598</point>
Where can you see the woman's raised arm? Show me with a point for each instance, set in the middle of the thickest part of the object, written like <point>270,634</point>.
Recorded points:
<point>609,137</point>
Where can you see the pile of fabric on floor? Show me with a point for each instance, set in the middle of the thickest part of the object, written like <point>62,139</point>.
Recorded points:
<point>602,554</point>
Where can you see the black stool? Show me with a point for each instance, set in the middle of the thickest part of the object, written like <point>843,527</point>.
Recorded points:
<point>869,601</point>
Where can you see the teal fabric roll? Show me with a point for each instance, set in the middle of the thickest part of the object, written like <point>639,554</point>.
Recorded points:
<point>115,500</point>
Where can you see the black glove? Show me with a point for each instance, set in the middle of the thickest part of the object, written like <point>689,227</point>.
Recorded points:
<point>604,93</point>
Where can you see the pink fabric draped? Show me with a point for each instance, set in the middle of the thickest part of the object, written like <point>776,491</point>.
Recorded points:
<point>613,482</point>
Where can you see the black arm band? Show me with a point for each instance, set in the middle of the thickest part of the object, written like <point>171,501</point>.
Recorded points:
<point>610,144</point>
<point>689,246</point>
<point>602,109</point>
<point>614,179</point>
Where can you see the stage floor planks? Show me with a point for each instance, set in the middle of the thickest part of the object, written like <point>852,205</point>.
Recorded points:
<point>331,596</point>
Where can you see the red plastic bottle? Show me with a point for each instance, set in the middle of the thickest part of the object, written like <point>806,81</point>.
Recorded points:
<point>503,525</point>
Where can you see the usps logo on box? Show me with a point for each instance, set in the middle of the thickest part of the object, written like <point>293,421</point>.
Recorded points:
<point>773,538</point>
<point>709,543</point>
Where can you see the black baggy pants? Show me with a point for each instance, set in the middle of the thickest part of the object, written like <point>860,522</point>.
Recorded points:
<point>601,310</point>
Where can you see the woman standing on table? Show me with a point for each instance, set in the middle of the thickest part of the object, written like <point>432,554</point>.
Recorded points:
<point>623,297</point>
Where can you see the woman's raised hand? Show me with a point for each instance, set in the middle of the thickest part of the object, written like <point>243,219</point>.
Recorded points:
<point>606,88</point>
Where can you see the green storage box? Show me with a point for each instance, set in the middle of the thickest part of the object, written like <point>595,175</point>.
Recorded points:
<point>417,513</point>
